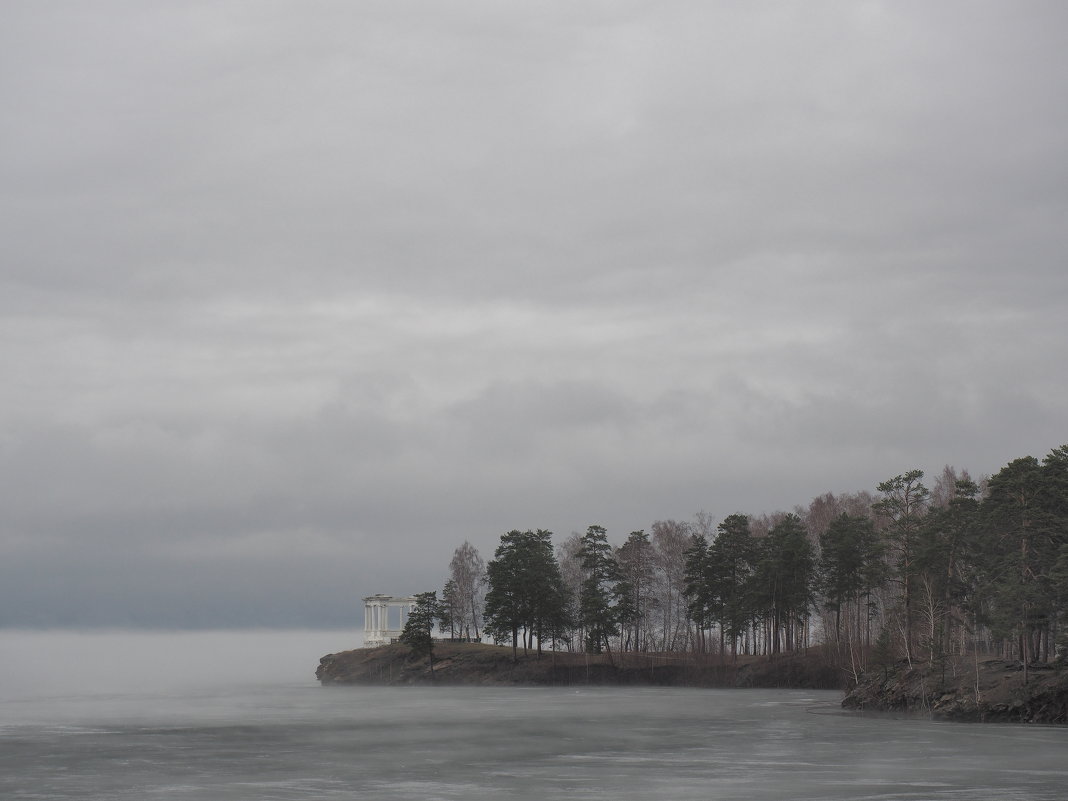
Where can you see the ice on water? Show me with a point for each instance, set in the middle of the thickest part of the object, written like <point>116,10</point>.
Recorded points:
<point>187,716</point>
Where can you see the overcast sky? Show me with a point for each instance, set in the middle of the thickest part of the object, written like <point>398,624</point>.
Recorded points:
<point>296,297</point>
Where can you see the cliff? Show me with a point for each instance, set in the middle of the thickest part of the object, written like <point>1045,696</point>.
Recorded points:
<point>991,690</point>
<point>468,663</point>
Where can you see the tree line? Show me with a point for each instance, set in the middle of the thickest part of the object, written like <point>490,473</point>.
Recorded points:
<point>911,571</point>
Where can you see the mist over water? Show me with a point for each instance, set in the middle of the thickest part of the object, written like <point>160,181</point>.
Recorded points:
<point>93,662</point>
<point>225,715</point>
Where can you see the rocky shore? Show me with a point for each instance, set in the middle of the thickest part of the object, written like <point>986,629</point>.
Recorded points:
<point>467,664</point>
<point>990,690</point>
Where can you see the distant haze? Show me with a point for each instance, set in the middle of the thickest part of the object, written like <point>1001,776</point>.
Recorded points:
<point>295,298</point>
<point>70,665</point>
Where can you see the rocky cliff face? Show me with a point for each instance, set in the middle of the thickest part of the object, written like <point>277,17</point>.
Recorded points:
<point>991,690</point>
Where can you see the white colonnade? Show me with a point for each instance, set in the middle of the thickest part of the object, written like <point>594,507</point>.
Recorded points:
<point>377,620</point>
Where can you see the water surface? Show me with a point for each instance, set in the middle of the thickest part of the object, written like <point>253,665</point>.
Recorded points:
<point>231,739</point>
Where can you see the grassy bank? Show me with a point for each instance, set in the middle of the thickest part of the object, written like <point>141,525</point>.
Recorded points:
<point>478,664</point>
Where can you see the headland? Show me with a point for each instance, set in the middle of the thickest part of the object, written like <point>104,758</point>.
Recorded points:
<point>989,690</point>
<point>491,665</point>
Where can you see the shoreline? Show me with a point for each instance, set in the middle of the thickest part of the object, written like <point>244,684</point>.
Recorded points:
<point>491,665</point>
<point>989,690</point>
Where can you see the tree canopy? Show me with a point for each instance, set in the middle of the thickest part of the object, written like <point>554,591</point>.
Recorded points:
<point>419,628</point>
<point>911,571</point>
<point>526,590</point>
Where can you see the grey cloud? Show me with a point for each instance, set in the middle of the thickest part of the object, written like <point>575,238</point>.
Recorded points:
<point>294,302</point>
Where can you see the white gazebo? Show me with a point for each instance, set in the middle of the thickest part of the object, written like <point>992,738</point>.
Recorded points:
<point>378,620</point>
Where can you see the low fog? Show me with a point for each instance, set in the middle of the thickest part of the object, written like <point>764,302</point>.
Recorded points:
<point>68,666</point>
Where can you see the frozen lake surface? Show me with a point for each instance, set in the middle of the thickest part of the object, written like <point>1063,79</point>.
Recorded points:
<point>295,740</point>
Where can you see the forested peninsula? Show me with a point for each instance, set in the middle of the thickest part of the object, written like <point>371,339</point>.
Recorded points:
<point>950,599</point>
<point>490,665</point>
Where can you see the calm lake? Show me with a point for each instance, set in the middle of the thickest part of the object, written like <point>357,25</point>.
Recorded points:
<point>186,731</point>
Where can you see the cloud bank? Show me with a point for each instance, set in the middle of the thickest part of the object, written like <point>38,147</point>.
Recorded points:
<point>294,299</point>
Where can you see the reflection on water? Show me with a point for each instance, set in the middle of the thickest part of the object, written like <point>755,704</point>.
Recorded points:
<point>295,740</point>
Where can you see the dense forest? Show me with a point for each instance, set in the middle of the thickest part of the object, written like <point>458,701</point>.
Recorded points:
<point>911,571</point>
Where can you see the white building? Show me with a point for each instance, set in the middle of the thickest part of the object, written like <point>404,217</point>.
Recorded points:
<point>379,618</point>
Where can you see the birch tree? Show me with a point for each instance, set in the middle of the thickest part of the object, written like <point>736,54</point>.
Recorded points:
<point>468,574</point>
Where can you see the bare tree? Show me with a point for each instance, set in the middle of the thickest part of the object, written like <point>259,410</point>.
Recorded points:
<point>820,512</point>
<point>637,565</point>
<point>945,486</point>
<point>671,539</point>
<point>468,571</point>
<point>568,556</point>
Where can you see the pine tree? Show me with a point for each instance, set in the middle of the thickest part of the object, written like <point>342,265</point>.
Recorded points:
<point>782,582</point>
<point>902,507</point>
<point>526,591</point>
<point>598,600</point>
<point>698,589</point>
<point>731,559</point>
<point>847,554</point>
<point>418,630</point>
<point>452,609</point>
<point>549,605</point>
<point>1021,547</point>
<point>946,556</point>
<point>506,601</point>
